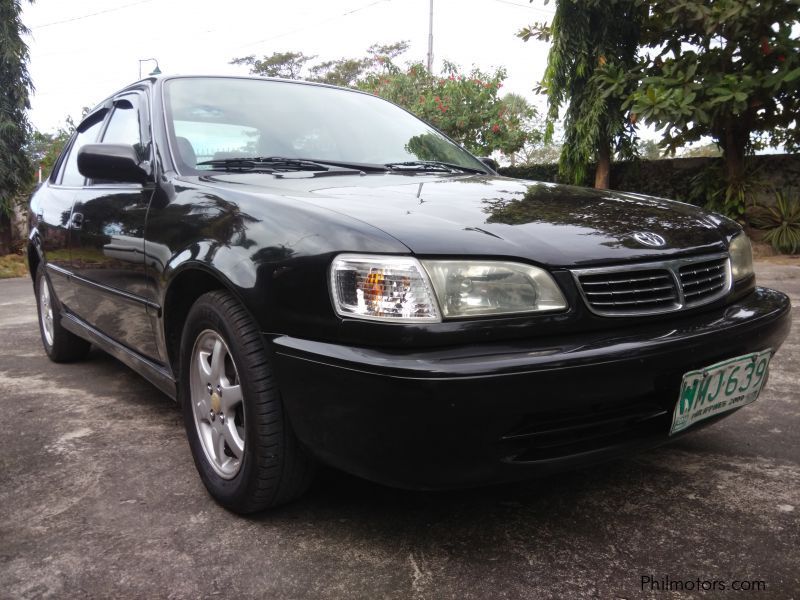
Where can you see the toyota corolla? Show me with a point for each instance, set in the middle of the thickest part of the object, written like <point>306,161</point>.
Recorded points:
<point>316,275</point>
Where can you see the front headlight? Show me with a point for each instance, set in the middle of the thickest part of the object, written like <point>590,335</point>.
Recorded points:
<point>467,288</point>
<point>741,254</point>
<point>404,290</point>
<point>385,288</point>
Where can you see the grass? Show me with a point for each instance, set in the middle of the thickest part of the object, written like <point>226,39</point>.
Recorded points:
<point>13,265</point>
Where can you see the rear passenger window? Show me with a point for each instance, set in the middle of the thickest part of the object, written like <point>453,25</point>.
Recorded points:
<point>70,175</point>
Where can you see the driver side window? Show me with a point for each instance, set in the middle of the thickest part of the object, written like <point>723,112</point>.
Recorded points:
<point>124,126</point>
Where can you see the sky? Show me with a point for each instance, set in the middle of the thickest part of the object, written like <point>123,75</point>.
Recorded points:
<point>83,50</point>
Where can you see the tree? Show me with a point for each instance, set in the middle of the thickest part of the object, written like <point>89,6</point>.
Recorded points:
<point>287,65</point>
<point>729,69</point>
<point>648,149</point>
<point>349,72</point>
<point>43,149</point>
<point>594,47</point>
<point>345,72</point>
<point>16,85</point>
<point>705,151</point>
<point>465,106</point>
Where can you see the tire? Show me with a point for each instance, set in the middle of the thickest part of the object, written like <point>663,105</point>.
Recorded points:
<point>243,446</point>
<point>59,344</point>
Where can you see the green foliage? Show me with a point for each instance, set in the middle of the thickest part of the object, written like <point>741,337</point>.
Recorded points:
<point>43,149</point>
<point>648,150</point>
<point>465,106</point>
<point>729,69</point>
<point>349,72</point>
<point>533,172</point>
<point>698,181</point>
<point>710,188</point>
<point>708,150</point>
<point>345,72</point>
<point>781,222</point>
<point>16,85</point>
<point>287,65</point>
<point>594,46</point>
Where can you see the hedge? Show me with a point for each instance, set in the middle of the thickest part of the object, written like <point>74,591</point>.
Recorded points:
<point>677,178</point>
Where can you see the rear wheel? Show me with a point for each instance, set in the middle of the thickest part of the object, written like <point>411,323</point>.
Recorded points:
<point>59,344</point>
<point>241,441</point>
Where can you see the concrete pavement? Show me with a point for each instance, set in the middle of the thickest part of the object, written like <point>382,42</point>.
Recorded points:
<point>99,498</point>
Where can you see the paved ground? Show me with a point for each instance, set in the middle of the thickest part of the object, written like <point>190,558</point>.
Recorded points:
<point>99,498</point>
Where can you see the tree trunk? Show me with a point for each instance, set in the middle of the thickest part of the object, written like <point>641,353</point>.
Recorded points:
<point>5,234</point>
<point>602,175</point>
<point>733,149</point>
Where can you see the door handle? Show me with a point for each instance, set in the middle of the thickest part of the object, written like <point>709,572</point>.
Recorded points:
<point>77,221</point>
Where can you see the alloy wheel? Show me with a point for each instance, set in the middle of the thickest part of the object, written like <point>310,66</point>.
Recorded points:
<point>216,397</point>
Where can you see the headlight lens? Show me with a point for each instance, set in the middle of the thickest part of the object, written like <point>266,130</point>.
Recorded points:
<point>484,288</point>
<point>382,288</point>
<point>741,254</point>
<point>402,289</point>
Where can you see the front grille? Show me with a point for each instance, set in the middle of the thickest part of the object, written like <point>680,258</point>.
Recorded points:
<point>653,288</point>
<point>700,281</point>
<point>636,291</point>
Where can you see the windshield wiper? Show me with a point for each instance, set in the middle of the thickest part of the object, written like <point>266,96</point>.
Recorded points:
<point>273,164</point>
<point>432,165</point>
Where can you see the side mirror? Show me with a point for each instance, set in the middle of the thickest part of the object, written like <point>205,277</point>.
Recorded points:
<point>111,162</point>
<point>489,162</point>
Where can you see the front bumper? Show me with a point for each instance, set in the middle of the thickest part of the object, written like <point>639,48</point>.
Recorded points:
<point>496,412</point>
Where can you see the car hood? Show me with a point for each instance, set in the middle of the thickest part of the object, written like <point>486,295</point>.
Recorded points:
<point>481,215</point>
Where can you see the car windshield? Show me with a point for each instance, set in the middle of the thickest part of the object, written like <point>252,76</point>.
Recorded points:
<point>216,118</point>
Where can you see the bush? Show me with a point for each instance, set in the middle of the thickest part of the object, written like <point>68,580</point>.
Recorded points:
<point>698,181</point>
<point>781,223</point>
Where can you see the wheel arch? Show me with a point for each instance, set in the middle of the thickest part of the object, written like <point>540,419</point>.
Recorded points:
<point>185,287</point>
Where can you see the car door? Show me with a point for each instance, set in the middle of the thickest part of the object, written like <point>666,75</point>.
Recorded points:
<point>107,239</point>
<point>51,208</point>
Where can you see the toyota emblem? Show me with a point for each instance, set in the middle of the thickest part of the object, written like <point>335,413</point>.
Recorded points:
<point>648,238</point>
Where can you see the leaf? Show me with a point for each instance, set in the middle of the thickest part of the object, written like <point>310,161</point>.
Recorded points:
<point>792,75</point>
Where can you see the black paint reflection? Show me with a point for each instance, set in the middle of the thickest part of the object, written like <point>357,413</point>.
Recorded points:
<point>612,215</point>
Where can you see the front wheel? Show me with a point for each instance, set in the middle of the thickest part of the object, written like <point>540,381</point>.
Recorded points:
<point>240,438</point>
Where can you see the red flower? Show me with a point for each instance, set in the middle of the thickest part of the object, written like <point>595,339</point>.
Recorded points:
<point>495,127</point>
<point>781,58</point>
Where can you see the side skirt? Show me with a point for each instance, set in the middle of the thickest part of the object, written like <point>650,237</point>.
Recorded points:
<point>154,373</point>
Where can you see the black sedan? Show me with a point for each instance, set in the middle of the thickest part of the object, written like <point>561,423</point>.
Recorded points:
<point>314,274</point>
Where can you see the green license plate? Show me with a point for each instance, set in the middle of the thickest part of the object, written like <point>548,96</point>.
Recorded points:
<point>720,388</point>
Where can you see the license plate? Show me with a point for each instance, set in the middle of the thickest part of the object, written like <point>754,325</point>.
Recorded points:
<point>720,388</point>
